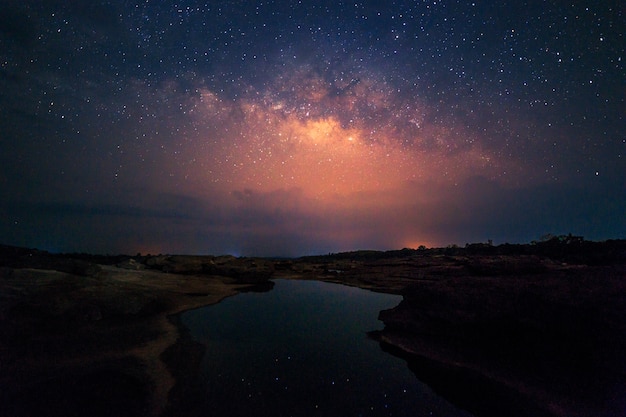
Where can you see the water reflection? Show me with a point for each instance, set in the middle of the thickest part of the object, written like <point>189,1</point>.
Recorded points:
<point>302,350</point>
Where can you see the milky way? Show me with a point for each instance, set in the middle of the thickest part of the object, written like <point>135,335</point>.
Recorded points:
<point>347,136</point>
<point>287,128</point>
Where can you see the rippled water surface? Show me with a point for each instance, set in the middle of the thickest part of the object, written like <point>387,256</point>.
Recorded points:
<point>302,349</point>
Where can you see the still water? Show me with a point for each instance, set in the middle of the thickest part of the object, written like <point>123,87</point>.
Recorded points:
<point>302,349</point>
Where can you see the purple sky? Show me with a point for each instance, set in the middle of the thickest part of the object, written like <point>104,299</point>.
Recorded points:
<point>291,128</point>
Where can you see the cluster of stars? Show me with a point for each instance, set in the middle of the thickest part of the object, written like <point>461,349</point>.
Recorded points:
<point>335,100</point>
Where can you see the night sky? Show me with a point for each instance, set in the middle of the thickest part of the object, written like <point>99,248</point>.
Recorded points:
<point>302,127</point>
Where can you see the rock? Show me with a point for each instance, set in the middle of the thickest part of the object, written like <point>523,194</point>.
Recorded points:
<point>556,339</point>
<point>131,264</point>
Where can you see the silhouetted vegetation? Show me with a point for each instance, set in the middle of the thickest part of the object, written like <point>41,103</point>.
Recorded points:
<point>563,248</point>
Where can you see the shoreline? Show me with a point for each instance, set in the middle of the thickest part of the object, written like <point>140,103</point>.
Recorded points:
<point>182,359</point>
<point>105,339</point>
<point>72,339</point>
<point>467,388</point>
<point>554,342</point>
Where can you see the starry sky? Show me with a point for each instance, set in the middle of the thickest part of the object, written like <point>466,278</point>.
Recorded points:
<point>286,128</point>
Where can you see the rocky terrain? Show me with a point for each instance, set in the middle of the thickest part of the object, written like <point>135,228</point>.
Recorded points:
<point>87,335</point>
<point>516,330</point>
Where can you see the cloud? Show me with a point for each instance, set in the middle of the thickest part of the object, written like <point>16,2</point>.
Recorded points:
<point>288,222</point>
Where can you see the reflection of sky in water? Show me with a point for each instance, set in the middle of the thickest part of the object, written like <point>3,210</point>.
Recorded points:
<point>302,349</point>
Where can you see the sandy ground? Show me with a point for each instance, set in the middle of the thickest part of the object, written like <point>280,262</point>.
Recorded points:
<point>61,331</point>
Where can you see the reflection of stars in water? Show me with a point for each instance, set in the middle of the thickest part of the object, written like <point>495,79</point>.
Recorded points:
<point>258,388</point>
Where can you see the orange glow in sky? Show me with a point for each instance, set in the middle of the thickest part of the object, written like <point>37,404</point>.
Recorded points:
<point>360,139</point>
<point>348,163</point>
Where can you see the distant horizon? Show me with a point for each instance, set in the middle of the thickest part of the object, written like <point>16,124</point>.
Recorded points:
<point>465,245</point>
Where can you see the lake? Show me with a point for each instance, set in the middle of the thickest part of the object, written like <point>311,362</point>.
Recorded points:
<point>302,349</point>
